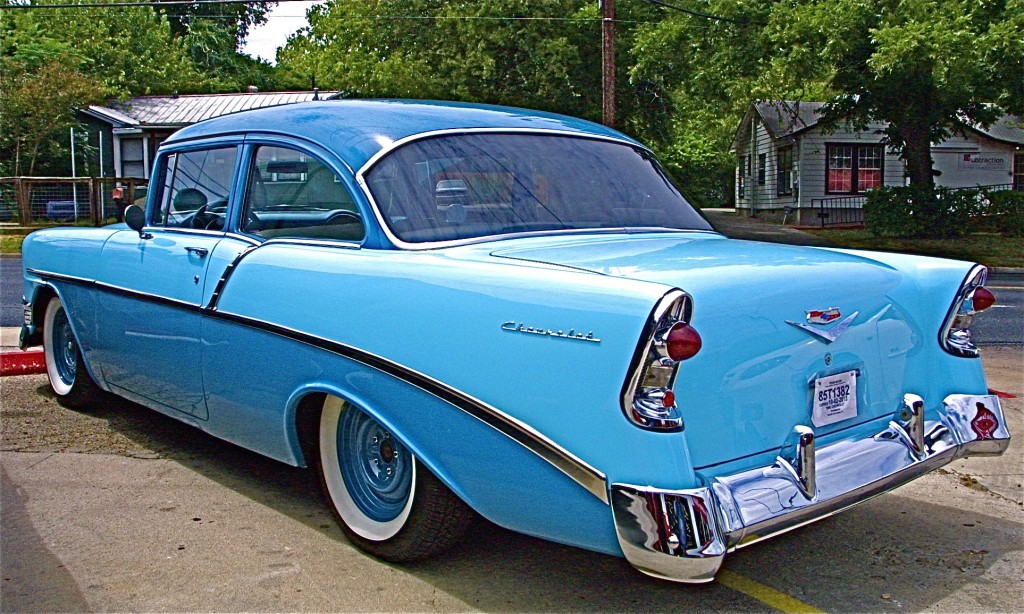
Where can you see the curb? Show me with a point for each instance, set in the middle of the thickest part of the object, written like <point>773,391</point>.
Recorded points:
<point>29,362</point>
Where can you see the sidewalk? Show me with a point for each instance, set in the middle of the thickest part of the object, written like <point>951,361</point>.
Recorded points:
<point>740,226</point>
<point>15,362</point>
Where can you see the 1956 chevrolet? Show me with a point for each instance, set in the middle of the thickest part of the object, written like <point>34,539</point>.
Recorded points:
<point>451,309</point>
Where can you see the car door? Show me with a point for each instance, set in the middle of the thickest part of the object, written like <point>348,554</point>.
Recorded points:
<point>157,280</point>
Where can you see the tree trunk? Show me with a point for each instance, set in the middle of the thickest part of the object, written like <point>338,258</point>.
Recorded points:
<point>917,153</point>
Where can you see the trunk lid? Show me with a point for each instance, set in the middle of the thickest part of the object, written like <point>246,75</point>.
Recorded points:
<point>754,379</point>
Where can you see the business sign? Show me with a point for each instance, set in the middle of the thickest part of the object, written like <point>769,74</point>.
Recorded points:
<point>983,162</point>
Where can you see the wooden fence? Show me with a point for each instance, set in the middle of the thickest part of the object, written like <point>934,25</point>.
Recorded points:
<point>34,201</point>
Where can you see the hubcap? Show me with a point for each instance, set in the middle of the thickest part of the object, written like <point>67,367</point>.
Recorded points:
<point>377,469</point>
<point>64,348</point>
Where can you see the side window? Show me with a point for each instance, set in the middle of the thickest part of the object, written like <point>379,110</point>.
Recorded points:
<point>292,194</point>
<point>195,189</point>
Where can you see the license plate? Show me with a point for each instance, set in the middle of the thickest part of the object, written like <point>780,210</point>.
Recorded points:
<point>835,398</point>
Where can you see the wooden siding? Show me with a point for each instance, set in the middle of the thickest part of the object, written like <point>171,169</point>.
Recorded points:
<point>764,195</point>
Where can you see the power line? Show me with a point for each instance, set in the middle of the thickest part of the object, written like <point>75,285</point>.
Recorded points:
<point>741,22</point>
<point>94,5</point>
<point>157,4</point>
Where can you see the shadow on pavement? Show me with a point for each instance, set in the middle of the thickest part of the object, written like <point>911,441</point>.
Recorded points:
<point>889,554</point>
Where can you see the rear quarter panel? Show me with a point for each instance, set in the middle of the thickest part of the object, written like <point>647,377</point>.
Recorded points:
<point>442,316</point>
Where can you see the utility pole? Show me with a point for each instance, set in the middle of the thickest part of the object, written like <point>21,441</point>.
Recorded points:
<point>608,62</point>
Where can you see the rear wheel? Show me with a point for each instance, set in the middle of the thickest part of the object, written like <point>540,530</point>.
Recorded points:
<point>386,502</point>
<point>65,368</point>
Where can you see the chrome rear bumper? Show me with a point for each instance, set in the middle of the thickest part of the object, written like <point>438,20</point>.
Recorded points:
<point>683,535</point>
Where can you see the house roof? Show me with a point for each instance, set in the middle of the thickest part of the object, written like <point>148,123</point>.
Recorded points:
<point>784,118</point>
<point>179,111</point>
<point>1007,129</point>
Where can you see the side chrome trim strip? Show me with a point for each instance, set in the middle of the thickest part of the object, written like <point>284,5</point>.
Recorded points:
<point>228,270</point>
<point>563,460</point>
<point>572,466</point>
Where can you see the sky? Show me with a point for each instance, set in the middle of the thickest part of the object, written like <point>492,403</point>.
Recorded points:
<point>282,20</point>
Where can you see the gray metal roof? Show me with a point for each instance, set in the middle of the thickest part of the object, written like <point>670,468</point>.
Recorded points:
<point>785,117</point>
<point>110,115</point>
<point>178,111</point>
<point>1008,129</point>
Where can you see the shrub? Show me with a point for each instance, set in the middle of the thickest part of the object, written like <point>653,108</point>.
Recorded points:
<point>942,213</point>
<point>1005,213</point>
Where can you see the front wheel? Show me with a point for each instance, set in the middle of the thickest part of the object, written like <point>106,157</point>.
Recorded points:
<point>65,367</point>
<point>386,502</point>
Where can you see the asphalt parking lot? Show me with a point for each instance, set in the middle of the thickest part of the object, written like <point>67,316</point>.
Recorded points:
<point>123,509</point>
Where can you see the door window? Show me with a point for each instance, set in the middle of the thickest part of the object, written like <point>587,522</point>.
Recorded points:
<point>292,194</point>
<point>195,188</point>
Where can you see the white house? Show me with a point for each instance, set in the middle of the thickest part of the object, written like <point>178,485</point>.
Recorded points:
<point>789,168</point>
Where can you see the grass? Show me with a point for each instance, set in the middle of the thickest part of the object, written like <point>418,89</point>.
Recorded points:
<point>10,243</point>
<point>989,249</point>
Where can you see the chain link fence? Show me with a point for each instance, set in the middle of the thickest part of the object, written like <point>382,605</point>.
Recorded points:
<point>50,201</point>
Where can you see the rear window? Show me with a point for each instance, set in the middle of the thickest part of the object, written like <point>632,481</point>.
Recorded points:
<point>476,185</point>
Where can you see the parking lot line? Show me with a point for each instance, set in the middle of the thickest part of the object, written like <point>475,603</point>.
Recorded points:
<point>766,595</point>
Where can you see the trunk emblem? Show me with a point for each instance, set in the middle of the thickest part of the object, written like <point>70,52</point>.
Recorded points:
<point>827,335</point>
<point>823,316</point>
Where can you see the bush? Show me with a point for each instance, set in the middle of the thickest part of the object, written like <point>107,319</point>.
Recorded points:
<point>1004,214</point>
<point>942,213</point>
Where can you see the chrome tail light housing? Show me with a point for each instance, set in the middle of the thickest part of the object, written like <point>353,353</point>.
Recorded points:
<point>973,297</point>
<point>648,400</point>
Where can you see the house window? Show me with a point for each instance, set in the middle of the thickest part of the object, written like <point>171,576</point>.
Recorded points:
<point>133,162</point>
<point>1018,172</point>
<point>853,169</point>
<point>762,162</point>
<point>784,171</point>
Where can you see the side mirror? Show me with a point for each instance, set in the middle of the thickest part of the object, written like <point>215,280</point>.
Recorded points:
<point>135,217</point>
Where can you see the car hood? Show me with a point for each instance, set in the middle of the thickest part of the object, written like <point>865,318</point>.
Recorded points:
<point>753,380</point>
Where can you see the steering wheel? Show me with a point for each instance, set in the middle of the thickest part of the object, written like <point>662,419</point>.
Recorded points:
<point>210,216</point>
<point>345,217</point>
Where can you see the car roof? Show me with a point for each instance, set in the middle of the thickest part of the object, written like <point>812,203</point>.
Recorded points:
<point>356,130</point>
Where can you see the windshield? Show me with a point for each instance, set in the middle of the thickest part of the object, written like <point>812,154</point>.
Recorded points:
<point>475,185</point>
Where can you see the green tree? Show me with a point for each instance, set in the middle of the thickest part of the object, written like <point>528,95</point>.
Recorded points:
<point>925,67</point>
<point>37,109</point>
<point>540,53</point>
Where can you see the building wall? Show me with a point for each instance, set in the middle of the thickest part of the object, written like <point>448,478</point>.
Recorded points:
<point>761,188</point>
<point>813,162</point>
<point>972,159</point>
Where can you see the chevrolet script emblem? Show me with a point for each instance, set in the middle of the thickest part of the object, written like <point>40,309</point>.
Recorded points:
<point>827,335</point>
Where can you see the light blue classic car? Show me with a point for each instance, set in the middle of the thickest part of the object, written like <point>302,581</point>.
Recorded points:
<point>451,310</point>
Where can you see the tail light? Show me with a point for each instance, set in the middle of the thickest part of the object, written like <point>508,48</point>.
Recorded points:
<point>647,397</point>
<point>972,298</point>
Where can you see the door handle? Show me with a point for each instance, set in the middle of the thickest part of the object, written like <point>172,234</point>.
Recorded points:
<point>198,251</point>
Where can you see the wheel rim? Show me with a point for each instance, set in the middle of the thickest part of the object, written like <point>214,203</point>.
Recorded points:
<point>65,350</point>
<point>376,469</point>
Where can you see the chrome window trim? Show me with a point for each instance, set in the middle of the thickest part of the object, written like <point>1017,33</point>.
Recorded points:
<point>560,458</point>
<point>345,243</point>
<point>427,245</point>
